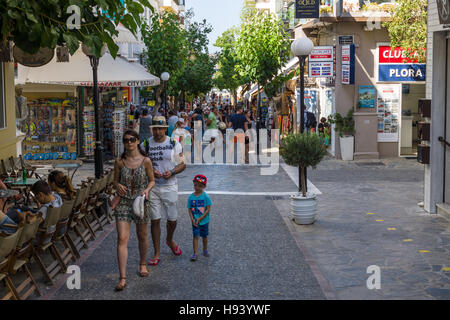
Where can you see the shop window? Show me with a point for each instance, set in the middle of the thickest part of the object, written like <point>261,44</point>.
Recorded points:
<point>2,97</point>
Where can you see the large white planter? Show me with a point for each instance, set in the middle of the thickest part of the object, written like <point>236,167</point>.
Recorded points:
<point>304,208</point>
<point>347,147</point>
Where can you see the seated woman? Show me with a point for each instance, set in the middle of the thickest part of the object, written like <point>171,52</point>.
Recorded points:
<point>61,184</point>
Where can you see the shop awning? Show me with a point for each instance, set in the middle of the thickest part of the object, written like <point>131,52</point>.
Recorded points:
<point>78,72</point>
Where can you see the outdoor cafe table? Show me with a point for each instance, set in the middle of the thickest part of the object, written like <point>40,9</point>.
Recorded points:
<point>23,186</point>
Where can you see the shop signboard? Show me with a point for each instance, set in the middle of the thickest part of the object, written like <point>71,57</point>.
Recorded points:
<point>320,69</point>
<point>388,110</point>
<point>348,64</point>
<point>366,97</point>
<point>306,9</point>
<point>321,53</point>
<point>394,67</point>
<point>345,40</point>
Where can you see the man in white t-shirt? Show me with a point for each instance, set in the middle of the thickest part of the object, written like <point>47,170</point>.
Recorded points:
<point>167,159</point>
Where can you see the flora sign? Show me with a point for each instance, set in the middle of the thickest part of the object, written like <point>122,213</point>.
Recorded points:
<point>394,66</point>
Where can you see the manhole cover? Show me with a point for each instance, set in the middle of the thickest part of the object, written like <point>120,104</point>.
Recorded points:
<point>368,190</point>
<point>369,163</point>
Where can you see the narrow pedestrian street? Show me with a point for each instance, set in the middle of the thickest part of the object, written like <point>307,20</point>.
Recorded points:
<point>367,215</point>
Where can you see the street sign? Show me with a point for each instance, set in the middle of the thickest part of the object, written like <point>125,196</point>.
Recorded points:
<point>306,9</point>
<point>345,39</point>
<point>348,64</point>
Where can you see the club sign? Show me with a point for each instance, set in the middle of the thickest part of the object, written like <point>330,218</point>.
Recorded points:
<point>393,67</point>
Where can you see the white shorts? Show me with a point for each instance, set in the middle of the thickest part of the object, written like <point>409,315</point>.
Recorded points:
<point>164,199</point>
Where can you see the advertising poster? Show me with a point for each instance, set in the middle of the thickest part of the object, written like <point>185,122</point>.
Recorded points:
<point>388,110</point>
<point>311,102</point>
<point>366,96</point>
<point>393,66</point>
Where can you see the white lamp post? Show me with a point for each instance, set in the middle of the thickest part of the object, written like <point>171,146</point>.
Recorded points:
<point>301,48</point>
<point>165,76</point>
<point>98,153</point>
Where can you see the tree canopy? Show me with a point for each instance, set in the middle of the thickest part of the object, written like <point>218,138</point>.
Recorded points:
<point>34,24</point>
<point>408,28</point>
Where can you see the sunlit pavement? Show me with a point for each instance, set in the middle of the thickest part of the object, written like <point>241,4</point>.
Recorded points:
<point>367,216</point>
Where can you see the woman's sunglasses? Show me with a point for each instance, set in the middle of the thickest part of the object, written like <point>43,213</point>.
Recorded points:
<point>132,140</point>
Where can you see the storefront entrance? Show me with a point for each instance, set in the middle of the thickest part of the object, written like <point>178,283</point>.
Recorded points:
<point>411,93</point>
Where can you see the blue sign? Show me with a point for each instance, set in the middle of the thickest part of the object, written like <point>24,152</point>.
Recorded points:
<point>401,72</point>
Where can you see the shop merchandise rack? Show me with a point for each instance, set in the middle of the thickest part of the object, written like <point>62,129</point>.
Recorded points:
<point>50,127</point>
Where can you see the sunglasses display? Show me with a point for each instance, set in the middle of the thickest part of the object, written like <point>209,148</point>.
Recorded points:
<point>132,140</point>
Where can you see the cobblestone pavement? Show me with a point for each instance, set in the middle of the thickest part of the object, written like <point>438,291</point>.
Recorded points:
<point>368,215</point>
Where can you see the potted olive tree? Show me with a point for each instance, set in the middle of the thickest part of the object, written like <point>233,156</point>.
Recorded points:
<point>345,127</point>
<point>303,150</point>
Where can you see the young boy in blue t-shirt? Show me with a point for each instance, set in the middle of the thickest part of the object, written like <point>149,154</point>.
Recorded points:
<point>199,207</point>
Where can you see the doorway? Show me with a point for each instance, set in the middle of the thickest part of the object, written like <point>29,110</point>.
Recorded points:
<point>411,93</point>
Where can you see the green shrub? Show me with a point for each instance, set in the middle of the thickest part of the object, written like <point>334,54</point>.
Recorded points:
<point>302,150</point>
<point>345,126</point>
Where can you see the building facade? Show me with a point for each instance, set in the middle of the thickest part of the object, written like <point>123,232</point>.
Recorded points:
<point>437,172</point>
<point>383,92</point>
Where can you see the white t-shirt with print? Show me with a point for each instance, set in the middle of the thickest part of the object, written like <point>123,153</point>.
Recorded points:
<point>164,157</point>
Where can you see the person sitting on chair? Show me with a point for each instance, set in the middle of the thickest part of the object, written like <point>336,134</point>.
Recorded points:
<point>44,197</point>
<point>61,184</point>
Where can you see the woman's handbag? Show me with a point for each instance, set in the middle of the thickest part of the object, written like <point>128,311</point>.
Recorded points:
<point>139,206</point>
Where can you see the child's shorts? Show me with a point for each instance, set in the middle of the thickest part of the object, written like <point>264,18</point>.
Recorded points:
<point>200,230</point>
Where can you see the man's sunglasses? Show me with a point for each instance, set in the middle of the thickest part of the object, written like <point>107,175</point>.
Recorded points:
<point>132,140</point>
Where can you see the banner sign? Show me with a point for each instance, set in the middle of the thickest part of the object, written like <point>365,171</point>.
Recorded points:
<point>348,64</point>
<point>394,67</point>
<point>321,69</point>
<point>306,9</point>
<point>321,53</point>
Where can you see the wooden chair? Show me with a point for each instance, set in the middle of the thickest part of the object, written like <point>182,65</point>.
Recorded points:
<point>45,243</point>
<point>5,165</point>
<point>79,226</point>
<point>91,208</point>
<point>21,258</point>
<point>30,169</point>
<point>61,234</point>
<point>8,245</point>
<point>102,197</point>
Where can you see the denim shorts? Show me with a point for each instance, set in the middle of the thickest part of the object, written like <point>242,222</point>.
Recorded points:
<point>200,230</point>
<point>6,229</point>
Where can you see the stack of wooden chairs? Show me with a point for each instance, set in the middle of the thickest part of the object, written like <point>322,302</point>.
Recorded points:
<point>56,241</point>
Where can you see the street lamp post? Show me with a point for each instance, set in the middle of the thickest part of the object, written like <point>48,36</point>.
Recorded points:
<point>301,48</point>
<point>165,76</point>
<point>98,152</point>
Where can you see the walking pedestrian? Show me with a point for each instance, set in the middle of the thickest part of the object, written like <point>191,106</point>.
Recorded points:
<point>199,208</point>
<point>144,125</point>
<point>133,176</point>
<point>239,121</point>
<point>167,158</point>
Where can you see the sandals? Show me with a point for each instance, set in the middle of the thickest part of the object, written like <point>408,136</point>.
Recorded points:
<point>194,257</point>
<point>177,251</point>
<point>120,287</point>
<point>143,274</point>
<point>205,253</point>
<point>154,262</point>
